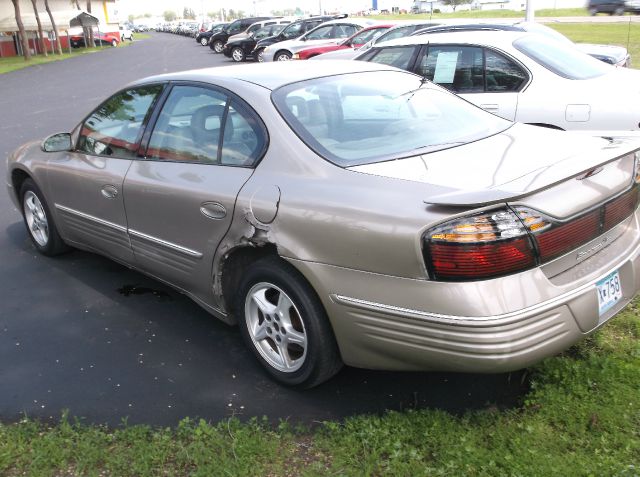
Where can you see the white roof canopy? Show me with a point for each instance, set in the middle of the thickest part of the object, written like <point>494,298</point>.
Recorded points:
<point>64,20</point>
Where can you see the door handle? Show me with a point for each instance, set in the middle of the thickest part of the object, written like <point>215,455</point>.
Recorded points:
<point>213,210</point>
<point>109,191</point>
<point>489,107</point>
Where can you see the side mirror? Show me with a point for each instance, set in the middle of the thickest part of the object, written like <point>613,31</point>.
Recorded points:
<point>57,143</point>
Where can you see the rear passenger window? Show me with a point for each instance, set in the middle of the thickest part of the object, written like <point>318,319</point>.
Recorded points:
<point>502,73</point>
<point>457,68</point>
<point>398,56</point>
<point>206,126</point>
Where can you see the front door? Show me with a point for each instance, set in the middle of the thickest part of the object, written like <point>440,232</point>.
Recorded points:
<point>86,184</point>
<point>180,199</point>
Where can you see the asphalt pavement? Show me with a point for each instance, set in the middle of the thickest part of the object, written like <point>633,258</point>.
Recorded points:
<point>84,334</point>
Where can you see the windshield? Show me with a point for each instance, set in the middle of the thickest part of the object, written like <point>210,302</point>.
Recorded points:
<point>362,118</point>
<point>293,30</point>
<point>561,58</point>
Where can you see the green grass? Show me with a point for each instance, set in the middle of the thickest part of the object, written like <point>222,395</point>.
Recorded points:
<point>14,63</point>
<point>581,418</point>
<point>549,12</point>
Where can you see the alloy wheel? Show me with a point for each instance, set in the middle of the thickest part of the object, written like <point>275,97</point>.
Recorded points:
<point>36,218</point>
<point>275,327</point>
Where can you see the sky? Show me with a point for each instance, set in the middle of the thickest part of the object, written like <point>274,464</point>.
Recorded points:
<point>157,7</point>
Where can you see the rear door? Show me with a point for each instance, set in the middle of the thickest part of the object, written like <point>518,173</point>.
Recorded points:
<point>482,76</point>
<point>180,197</point>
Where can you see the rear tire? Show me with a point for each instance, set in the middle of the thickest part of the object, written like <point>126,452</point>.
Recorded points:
<point>39,221</point>
<point>259,55</point>
<point>114,43</point>
<point>283,322</point>
<point>218,46</point>
<point>204,41</point>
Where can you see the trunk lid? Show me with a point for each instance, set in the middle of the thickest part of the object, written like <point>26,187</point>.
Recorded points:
<point>524,164</point>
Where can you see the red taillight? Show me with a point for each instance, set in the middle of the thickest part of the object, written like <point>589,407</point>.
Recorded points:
<point>560,239</point>
<point>511,240</point>
<point>619,209</point>
<point>463,261</point>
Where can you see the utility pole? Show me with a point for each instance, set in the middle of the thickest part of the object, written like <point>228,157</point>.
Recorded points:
<point>529,16</point>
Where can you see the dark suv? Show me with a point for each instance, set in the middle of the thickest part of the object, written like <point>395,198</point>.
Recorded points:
<point>203,36</point>
<point>613,7</point>
<point>293,30</point>
<point>218,40</point>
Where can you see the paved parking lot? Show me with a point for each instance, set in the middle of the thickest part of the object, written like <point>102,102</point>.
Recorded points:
<point>82,333</point>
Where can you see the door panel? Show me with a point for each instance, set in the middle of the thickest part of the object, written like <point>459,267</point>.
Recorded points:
<point>85,214</point>
<point>180,200</point>
<point>173,232</point>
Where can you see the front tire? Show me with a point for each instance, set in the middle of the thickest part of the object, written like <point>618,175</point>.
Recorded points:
<point>39,221</point>
<point>237,54</point>
<point>218,46</point>
<point>283,56</point>
<point>114,43</point>
<point>260,55</point>
<point>283,322</point>
<point>204,41</point>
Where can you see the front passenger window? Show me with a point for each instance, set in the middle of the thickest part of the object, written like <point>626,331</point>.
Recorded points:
<point>114,129</point>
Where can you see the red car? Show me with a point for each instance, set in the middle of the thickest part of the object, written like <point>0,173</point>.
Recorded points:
<point>354,41</point>
<point>100,39</point>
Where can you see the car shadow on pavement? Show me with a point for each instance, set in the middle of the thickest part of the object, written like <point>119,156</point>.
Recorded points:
<point>151,355</point>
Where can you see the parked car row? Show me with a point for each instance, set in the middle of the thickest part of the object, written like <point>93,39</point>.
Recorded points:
<point>185,28</point>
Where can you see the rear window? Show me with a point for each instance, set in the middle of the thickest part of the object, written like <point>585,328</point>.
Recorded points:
<point>362,118</point>
<point>562,59</point>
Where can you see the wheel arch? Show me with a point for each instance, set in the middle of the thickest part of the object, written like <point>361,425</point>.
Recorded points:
<point>548,126</point>
<point>18,176</point>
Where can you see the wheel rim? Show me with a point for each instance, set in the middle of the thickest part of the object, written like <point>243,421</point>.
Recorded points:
<point>217,46</point>
<point>114,43</point>
<point>203,41</point>
<point>283,57</point>
<point>260,58</point>
<point>36,219</point>
<point>276,327</point>
<point>237,55</point>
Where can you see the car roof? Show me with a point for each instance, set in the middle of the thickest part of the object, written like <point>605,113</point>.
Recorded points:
<point>488,37</point>
<point>270,75</point>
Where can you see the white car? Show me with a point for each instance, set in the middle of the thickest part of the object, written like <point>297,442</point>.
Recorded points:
<point>520,76</point>
<point>125,33</point>
<point>333,31</point>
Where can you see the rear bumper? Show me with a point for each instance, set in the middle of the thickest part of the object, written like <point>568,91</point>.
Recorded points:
<point>490,326</point>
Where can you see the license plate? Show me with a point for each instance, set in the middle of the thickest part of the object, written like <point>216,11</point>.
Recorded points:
<point>609,292</point>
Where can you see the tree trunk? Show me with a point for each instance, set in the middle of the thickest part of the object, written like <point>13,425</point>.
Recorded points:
<point>23,34</point>
<point>43,46</point>
<point>53,25</point>
<point>92,42</point>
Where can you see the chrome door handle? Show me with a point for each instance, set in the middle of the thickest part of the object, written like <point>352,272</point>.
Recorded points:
<point>109,192</point>
<point>489,107</point>
<point>213,210</point>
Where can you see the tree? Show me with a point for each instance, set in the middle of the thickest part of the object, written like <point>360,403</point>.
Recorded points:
<point>169,15</point>
<point>92,42</point>
<point>231,14</point>
<point>454,3</point>
<point>23,34</point>
<point>43,47</point>
<point>53,25</point>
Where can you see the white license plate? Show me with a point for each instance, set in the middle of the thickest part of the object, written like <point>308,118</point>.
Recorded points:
<point>609,292</point>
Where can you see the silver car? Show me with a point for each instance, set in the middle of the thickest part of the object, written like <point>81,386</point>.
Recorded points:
<point>346,212</point>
